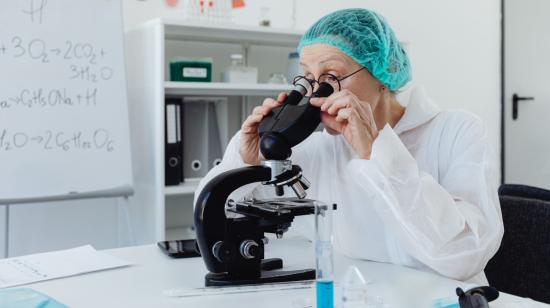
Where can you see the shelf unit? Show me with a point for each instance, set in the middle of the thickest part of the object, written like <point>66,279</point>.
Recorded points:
<point>187,187</point>
<point>221,88</point>
<point>160,212</point>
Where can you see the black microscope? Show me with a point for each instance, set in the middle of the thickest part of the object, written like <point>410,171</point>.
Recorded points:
<point>233,248</point>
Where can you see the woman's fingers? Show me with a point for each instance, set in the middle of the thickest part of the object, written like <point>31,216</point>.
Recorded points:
<point>335,97</point>
<point>251,123</point>
<point>317,101</point>
<point>325,102</point>
<point>259,112</point>
<point>262,110</point>
<point>268,105</point>
<point>253,118</point>
<point>281,97</point>
<point>269,102</point>
<point>342,106</point>
<point>249,148</point>
<point>331,123</point>
<point>344,114</point>
<point>342,102</point>
<point>337,100</point>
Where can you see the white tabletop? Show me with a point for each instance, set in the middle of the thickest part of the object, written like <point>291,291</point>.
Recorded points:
<point>142,284</point>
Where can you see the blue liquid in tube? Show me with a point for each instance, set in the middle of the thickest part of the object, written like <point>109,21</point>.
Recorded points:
<point>324,268</point>
<point>325,293</point>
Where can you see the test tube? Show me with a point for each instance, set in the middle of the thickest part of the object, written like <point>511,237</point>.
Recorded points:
<point>324,282</point>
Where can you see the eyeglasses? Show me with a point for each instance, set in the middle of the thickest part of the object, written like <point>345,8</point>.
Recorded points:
<point>328,78</point>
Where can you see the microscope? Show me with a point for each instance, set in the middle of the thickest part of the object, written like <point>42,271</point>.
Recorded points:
<point>478,297</point>
<point>233,248</point>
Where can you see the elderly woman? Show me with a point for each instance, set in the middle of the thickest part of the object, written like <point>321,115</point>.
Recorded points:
<point>414,184</point>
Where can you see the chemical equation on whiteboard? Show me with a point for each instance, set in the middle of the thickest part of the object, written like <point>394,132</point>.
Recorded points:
<point>49,140</point>
<point>39,50</point>
<point>84,61</point>
<point>85,73</point>
<point>49,98</point>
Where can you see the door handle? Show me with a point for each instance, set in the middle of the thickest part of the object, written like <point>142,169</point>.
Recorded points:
<point>515,99</point>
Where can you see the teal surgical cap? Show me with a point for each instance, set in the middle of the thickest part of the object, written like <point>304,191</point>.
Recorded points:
<point>366,37</point>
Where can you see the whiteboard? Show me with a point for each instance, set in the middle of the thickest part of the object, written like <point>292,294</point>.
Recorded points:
<point>64,130</point>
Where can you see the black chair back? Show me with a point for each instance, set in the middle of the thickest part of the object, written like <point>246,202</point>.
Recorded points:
<point>522,264</point>
<point>524,191</point>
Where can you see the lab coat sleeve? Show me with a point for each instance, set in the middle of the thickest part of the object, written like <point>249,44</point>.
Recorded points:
<point>453,226</point>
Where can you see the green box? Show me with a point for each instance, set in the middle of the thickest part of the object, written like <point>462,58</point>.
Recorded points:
<point>194,70</point>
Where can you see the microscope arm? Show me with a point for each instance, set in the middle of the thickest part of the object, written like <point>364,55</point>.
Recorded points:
<point>210,207</point>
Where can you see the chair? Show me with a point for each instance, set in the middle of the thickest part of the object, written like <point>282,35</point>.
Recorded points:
<point>522,264</point>
<point>523,191</point>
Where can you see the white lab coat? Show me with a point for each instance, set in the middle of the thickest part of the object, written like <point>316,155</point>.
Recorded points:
<point>427,198</point>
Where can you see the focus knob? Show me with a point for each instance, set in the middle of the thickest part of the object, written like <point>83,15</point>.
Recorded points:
<point>249,249</point>
<point>223,251</point>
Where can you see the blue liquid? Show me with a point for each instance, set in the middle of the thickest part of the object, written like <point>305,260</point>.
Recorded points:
<point>325,293</point>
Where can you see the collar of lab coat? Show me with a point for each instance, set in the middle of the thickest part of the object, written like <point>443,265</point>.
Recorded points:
<point>419,109</point>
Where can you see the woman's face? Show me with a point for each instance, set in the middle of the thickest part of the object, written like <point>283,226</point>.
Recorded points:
<point>321,59</point>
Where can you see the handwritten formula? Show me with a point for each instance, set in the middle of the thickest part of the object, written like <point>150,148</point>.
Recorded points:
<point>50,140</point>
<point>57,83</point>
<point>64,120</point>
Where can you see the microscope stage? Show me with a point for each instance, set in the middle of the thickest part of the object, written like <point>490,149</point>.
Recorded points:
<point>274,207</point>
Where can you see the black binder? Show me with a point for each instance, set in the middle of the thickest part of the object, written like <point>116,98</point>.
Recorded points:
<point>173,167</point>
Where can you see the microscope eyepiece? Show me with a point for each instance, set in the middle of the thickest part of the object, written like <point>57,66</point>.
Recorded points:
<point>325,89</point>
<point>302,85</point>
<point>290,124</point>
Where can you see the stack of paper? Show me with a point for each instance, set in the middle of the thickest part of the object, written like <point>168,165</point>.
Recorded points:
<point>57,264</point>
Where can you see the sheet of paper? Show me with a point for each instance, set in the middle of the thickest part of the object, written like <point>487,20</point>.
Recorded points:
<point>44,266</point>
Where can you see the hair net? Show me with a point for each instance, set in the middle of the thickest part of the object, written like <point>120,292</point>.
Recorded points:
<point>366,37</point>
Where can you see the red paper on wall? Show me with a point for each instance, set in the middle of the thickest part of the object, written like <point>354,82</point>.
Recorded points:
<point>238,4</point>
<point>172,3</point>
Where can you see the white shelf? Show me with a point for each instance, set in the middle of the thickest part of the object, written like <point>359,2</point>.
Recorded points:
<point>229,33</point>
<point>172,88</point>
<point>147,47</point>
<point>186,188</point>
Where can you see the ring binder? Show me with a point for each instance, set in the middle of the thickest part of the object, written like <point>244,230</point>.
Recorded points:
<point>173,143</point>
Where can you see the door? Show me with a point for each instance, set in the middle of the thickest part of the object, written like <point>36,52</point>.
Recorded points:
<point>527,92</point>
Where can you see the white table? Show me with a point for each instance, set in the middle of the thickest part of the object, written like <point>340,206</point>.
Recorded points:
<point>142,284</point>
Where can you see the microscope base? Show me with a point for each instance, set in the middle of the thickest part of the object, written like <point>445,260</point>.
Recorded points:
<point>268,275</point>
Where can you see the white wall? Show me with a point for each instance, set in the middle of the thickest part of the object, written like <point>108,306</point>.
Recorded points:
<point>454,45</point>
<point>454,49</point>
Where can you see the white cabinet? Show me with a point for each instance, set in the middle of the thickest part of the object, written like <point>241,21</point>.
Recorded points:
<point>158,211</point>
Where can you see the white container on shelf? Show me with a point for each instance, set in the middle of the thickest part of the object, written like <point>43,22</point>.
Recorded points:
<point>294,69</point>
<point>238,72</point>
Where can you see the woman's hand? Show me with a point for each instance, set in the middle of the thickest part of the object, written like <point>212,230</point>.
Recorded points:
<point>250,140</point>
<point>344,113</point>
